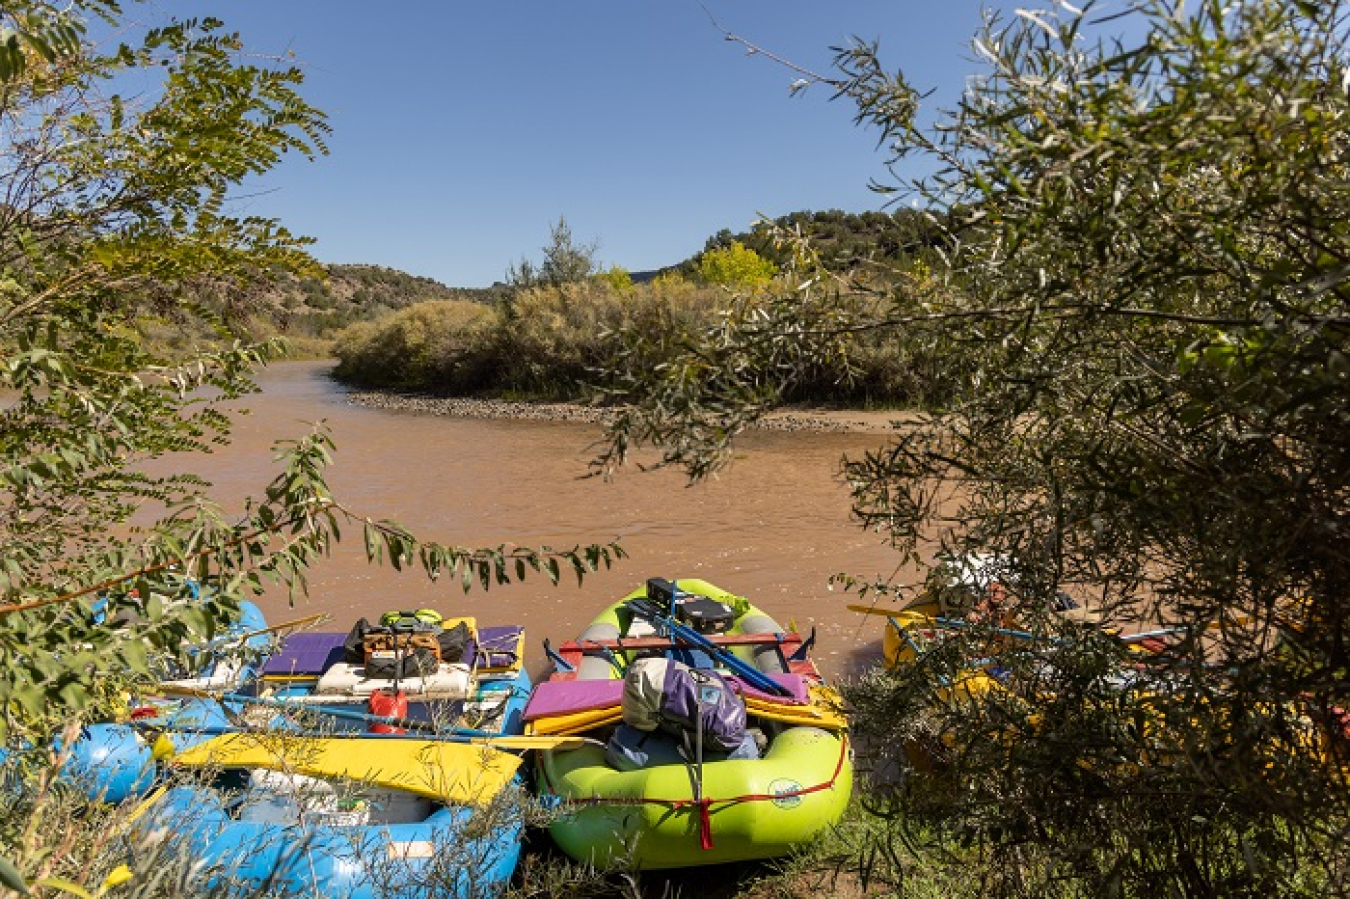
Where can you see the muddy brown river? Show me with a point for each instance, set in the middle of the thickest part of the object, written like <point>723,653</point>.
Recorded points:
<point>772,527</point>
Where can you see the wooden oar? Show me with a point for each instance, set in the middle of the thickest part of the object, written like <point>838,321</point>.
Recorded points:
<point>1024,635</point>
<point>951,622</point>
<point>294,623</point>
<point>249,635</point>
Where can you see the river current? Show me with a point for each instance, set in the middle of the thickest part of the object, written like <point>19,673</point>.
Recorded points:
<point>773,527</point>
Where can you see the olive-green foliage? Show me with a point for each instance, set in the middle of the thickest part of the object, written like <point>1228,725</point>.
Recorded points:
<point>844,241</point>
<point>558,340</point>
<point>114,223</point>
<point>306,308</point>
<point>546,340</point>
<point>445,343</point>
<point>564,341</point>
<point>320,306</point>
<point>565,261</point>
<point>618,278</point>
<point>1143,292</point>
<point>555,335</point>
<point>102,234</point>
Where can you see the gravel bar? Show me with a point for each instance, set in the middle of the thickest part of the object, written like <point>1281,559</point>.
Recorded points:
<point>465,407</point>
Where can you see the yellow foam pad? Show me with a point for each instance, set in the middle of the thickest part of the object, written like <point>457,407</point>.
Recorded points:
<point>445,771</point>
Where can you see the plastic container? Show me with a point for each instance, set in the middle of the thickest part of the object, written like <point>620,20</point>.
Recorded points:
<point>277,797</point>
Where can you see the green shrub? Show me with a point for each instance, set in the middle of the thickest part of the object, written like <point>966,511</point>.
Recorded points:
<point>736,266</point>
<point>445,344</point>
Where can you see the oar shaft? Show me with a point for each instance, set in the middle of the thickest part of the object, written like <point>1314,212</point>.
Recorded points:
<point>873,610</point>
<point>1149,635</point>
<point>751,674</point>
<point>500,742</point>
<point>365,717</point>
<point>239,639</point>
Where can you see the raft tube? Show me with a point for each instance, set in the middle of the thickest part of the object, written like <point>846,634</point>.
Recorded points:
<point>359,817</point>
<point>745,810</point>
<point>756,809</point>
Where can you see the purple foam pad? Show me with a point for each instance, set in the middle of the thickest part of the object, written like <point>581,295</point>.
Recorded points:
<point>800,689</point>
<point>562,697</point>
<point>496,647</point>
<point>305,654</point>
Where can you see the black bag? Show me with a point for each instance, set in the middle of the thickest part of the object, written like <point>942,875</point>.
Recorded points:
<point>453,642</point>
<point>707,616</point>
<point>416,662</point>
<point>353,648</point>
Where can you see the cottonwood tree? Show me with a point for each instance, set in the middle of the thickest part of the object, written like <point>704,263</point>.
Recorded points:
<point>735,266</point>
<point>121,152</point>
<point>1144,291</point>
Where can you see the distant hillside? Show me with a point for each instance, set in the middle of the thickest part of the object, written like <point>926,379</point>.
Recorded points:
<point>352,293</point>
<point>844,239</point>
<point>313,308</point>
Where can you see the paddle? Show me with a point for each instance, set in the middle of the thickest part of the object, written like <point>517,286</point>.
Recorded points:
<point>649,610</point>
<point>293,623</point>
<point>873,610</point>
<point>1024,635</point>
<point>502,742</point>
<point>949,622</point>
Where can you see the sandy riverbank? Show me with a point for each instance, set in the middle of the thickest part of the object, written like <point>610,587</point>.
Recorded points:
<point>857,421</point>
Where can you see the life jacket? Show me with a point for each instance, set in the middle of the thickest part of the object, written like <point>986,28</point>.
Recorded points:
<point>412,620</point>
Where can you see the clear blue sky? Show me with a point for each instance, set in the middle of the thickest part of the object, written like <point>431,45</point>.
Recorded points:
<point>462,131</point>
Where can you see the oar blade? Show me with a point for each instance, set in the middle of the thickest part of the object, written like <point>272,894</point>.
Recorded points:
<point>871,610</point>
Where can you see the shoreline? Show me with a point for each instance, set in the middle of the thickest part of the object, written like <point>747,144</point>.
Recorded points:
<point>788,419</point>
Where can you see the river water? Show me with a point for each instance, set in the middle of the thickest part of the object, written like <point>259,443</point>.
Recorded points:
<point>772,527</point>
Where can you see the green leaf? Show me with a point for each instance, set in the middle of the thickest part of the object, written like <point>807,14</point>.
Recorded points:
<point>11,878</point>
<point>65,886</point>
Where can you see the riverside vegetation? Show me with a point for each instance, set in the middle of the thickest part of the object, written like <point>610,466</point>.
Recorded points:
<point>552,337</point>
<point>1125,306</point>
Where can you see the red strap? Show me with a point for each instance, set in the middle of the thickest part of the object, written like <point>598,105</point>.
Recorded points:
<point>825,785</point>
<point>705,823</point>
<point>705,838</point>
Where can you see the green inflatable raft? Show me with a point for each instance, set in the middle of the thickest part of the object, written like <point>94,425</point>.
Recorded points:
<point>674,812</point>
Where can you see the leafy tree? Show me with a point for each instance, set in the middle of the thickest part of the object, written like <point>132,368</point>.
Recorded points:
<point>618,279</point>
<point>720,240</point>
<point>522,274</point>
<point>736,266</point>
<point>117,213</point>
<point>1145,282</point>
<point>565,261</point>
